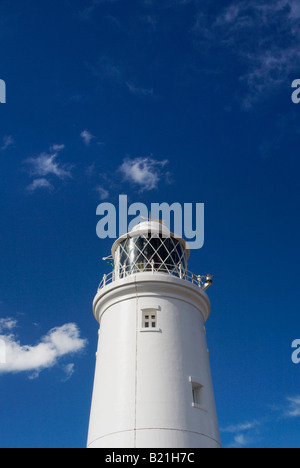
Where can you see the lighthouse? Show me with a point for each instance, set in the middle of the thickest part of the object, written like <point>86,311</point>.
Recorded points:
<point>152,385</point>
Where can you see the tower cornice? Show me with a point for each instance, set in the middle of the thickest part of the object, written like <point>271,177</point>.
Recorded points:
<point>147,284</point>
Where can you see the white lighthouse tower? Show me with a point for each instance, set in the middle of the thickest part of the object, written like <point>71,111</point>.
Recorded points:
<point>153,386</point>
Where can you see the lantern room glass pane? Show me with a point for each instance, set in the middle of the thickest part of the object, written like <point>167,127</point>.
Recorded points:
<point>151,252</point>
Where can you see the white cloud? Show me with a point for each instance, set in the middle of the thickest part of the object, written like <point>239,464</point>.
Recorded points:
<point>7,324</point>
<point>57,343</point>
<point>241,427</point>
<point>268,70</point>
<point>46,164</point>
<point>103,193</point>
<point>243,433</point>
<point>144,172</point>
<point>87,137</point>
<point>7,142</point>
<point>239,441</point>
<point>293,407</point>
<point>57,148</point>
<point>69,371</point>
<point>38,184</point>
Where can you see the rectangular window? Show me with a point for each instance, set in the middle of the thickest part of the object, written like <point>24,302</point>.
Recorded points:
<point>149,319</point>
<point>197,394</point>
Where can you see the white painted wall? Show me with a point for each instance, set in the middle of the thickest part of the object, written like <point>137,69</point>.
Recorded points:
<point>143,391</point>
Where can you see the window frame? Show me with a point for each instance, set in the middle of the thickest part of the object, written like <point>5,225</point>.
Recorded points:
<point>147,320</point>
<point>197,394</point>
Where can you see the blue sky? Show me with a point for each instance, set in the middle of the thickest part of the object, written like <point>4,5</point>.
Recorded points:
<point>196,95</point>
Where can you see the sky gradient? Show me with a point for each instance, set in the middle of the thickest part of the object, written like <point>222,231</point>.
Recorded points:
<point>183,101</point>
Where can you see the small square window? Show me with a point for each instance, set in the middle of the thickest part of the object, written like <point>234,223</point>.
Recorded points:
<point>149,320</point>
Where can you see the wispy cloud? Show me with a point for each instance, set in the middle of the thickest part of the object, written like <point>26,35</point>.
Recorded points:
<point>240,441</point>
<point>241,427</point>
<point>7,141</point>
<point>45,166</point>
<point>292,409</point>
<point>69,370</point>
<point>57,343</point>
<point>142,173</point>
<point>7,324</point>
<point>38,184</point>
<point>103,193</point>
<point>90,171</point>
<point>107,69</point>
<point>263,37</point>
<point>247,433</point>
<point>145,173</point>
<point>87,137</point>
<point>243,433</point>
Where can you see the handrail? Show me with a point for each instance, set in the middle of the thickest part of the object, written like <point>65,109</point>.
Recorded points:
<point>203,282</point>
